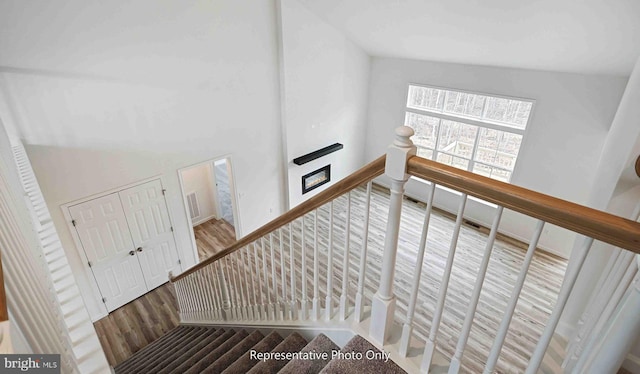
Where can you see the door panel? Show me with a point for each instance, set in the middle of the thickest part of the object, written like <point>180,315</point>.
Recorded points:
<point>146,212</point>
<point>102,228</point>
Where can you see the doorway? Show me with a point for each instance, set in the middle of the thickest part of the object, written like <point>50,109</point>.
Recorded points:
<point>209,196</point>
<point>127,239</point>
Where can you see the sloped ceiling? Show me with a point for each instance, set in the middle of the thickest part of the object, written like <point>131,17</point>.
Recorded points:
<point>144,40</point>
<point>586,36</point>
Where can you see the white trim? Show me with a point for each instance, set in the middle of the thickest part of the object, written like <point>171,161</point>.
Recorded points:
<point>203,220</point>
<point>467,120</point>
<point>234,198</point>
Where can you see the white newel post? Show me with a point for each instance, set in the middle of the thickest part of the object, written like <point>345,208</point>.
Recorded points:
<point>611,349</point>
<point>384,301</point>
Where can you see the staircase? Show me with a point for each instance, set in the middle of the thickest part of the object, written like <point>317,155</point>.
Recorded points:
<point>201,349</point>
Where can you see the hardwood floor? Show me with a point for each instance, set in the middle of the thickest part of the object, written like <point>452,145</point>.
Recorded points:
<point>213,236</point>
<point>131,327</point>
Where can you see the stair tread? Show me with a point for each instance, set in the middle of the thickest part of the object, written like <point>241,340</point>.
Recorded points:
<point>212,356</point>
<point>365,365</point>
<point>182,355</point>
<point>184,366</point>
<point>319,344</point>
<point>150,358</point>
<point>234,353</point>
<point>176,332</point>
<point>293,343</point>
<point>245,363</point>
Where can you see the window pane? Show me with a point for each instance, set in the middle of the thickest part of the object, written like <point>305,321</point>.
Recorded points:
<point>464,104</point>
<point>425,153</point>
<point>491,172</point>
<point>425,98</point>
<point>513,112</point>
<point>498,148</point>
<point>457,162</point>
<point>482,169</point>
<point>425,127</point>
<point>457,138</point>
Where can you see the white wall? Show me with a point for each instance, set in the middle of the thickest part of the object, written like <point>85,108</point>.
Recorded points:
<point>199,179</point>
<point>87,135</point>
<point>324,94</point>
<point>571,118</point>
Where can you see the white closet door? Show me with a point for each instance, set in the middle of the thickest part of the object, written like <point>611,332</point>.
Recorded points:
<point>146,212</point>
<point>105,238</point>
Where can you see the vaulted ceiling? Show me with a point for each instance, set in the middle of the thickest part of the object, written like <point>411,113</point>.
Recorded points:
<point>586,36</point>
<point>136,39</point>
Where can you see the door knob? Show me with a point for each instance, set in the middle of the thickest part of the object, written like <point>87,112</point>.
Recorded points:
<point>139,249</point>
<point>131,253</point>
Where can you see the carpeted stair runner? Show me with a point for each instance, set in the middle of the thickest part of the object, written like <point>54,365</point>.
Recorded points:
<point>196,349</point>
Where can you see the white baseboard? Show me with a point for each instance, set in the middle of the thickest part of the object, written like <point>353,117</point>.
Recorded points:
<point>203,220</point>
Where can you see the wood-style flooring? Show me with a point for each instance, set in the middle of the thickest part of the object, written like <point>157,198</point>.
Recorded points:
<point>131,327</point>
<point>213,236</point>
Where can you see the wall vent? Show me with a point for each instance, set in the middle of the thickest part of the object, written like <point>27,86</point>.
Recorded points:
<point>194,208</point>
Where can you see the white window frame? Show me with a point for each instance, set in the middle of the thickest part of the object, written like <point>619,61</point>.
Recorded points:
<point>489,124</point>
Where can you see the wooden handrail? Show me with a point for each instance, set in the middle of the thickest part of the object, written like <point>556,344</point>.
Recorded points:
<point>599,225</point>
<point>4,312</point>
<point>365,174</point>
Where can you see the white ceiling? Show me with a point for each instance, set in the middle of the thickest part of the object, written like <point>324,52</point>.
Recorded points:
<point>582,36</point>
<point>145,39</point>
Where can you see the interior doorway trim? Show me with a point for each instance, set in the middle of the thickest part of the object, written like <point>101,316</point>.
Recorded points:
<point>234,198</point>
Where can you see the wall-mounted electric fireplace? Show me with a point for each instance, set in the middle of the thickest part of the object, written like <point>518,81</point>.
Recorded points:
<point>316,179</point>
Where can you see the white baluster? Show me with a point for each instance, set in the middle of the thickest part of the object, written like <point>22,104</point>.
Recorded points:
<point>210,291</point>
<point>180,295</point>
<point>515,294</point>
<point>565,291</point>
<point>216,293</point>
<point>234,288</point>
<point>430,346</point>
<point>358,312</point>
<point>270,310</point>
<point>329,299</point>
<point>605,319</point>
<point>408,325</point>
<point>224,291</point>
<point>384,301</point>
<point>608,283</point>
<point>293,307</point>
<point>274,279</point>
<point>257,249</point>
<point>622,331</point>
<point>344,303</point>
<point>202,294</point>
<point>283,276</point>
<point>315,313</point>
<point>304,302</point>
<point>251,287</point>
<point>241,284</point>
<point>454,367</point>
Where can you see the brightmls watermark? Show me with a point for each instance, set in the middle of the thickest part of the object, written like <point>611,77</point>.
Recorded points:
<point>30,363</point>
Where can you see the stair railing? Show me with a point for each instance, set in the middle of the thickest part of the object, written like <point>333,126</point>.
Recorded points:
<point>284,270</point>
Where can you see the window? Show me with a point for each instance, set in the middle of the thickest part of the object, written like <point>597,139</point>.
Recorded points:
<point>478,133</point>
